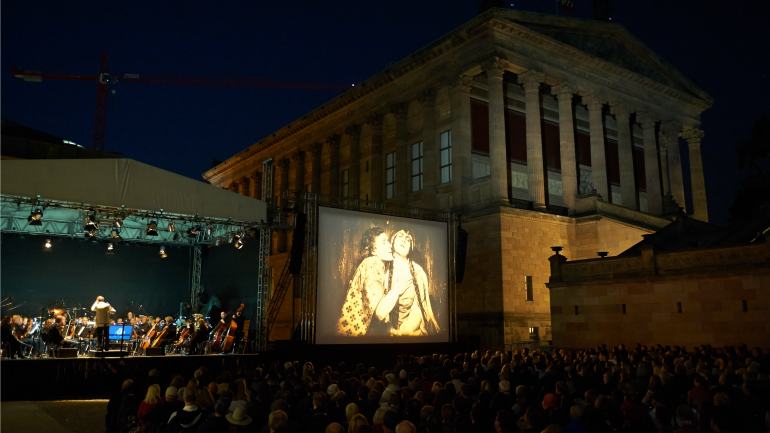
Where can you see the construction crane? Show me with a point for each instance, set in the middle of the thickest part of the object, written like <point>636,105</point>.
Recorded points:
<point>105,79</point>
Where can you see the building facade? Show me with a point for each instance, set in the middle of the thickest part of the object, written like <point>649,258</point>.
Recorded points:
<point>513,119</point>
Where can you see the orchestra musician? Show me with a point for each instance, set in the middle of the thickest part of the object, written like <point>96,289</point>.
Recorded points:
<point>144,326</point>
<point>202,335</point>
<point>171,334</point>
<point>9,341</point>
<point>57,333</point>
<point>103,310</point>
<point>239,320</point>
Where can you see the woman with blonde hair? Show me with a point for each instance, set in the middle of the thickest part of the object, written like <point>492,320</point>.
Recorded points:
<point>193,383</point>
<point>151,400</point>
<point>356,422</point>
<point>351,410</point>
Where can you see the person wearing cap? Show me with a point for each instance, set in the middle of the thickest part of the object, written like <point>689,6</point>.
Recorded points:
<point>217,422</point>
<point>239,420</point>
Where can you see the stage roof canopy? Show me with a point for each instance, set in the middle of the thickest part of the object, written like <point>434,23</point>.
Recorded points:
<point>125,182</point>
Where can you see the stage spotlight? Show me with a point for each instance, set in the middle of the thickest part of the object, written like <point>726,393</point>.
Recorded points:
<point>110,247</point>
<point>90,224</point>
<point>238,242</point>
<point>171,227</point>
<point>115,234</point>
<point>217,241</point>
<point>35,218</point>
<point>118,223</point>
<point>152,228</point>
<point>192,231</point>
<point>163,254</point>
<point>208,231</point>
<point>48,243</point>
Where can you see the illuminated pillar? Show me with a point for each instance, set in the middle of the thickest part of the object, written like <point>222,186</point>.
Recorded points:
<point>462,164</point>
<point>315,169</point>
<point>376,172</point>
<point>334,165</point>
<point>283,185</point>
<point>430,146</point>
<point>625,155</point>
<point>403,166</point>
<point>651,172</point>
<point>700,208</point>
<point>595,102</point>
<point>676,181</point>
<point>569,176</point>
<point>255,189</point>
<point>498,162</point>
<point>535,162</point>
<point>354,170</point>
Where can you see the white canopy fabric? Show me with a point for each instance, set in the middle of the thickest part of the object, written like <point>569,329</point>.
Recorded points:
<point>124,182</point>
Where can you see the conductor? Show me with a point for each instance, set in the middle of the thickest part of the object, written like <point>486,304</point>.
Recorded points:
<point>102,320</point>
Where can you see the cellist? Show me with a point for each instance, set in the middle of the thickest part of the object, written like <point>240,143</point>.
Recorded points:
<point>200,336</point>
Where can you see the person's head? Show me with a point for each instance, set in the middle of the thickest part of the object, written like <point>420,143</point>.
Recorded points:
<point>406,427</point>
<point>375,243</point>
<point>171,393</point>
<point>144,319</point>
<point>100,299</point>
<point>402,242</point>
<point>120,320</point>
<point>222,407</point>
<point>505,386</point>
<point>214,388</point>
<point>335,427</point>
<point>169,320</point>
<point>390,419</point>
<point>356,422</point>
<point>277,421</point>
<point>205,399</point>
<point>190,396</point>
<point>318,400</point>
<point>193,383</point>
<point>223,314</point>
<point>177,381</point>
<point>549,401</point>
<point>351,410</point>
<point>722,399</point>
<point>575,412</point>
<point>127,384</point>
<point>153,394</point>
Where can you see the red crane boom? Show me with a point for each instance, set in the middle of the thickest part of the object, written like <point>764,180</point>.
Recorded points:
<point>104,79</point>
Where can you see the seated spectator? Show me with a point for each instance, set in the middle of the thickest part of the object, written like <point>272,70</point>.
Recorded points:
<point>504,422</point>
<point>214,389</point>
<point>700,392</point>
<point>189,416</point>
<point>115,402</point>
<point>350,411</point>
<point>161,413</point>
<point>389,421</point>
<point>406,427</point>
<point>356,422</point>
<point>238,420</point>
<point>241,399</point>
<point>205,401</point>
<point>278,422</point>
<point>151,400</point>
<point>377,419</point>
<point>217,422</point>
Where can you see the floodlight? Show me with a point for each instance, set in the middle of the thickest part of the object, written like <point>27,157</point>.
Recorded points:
<point>238,242</point>
<point>152,228</point>
<point>48,243</point>
<point>118,223</point>
<point>171,227</point>
<point>110,247</point>
<point>35,218</point>
<point>208,231</point>
<point>115,234</point>
<point>194,230</point>
<point>90,224</point>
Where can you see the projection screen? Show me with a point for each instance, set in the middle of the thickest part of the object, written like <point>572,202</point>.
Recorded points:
<point>381,279</point>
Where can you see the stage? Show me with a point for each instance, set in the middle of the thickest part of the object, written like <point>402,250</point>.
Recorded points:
<point>40,379</point>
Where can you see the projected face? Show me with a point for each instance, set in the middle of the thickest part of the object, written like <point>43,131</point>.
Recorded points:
<point>382,248</point>
<point>402,243</point>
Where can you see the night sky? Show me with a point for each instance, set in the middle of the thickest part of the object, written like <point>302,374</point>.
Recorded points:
<point>723,46</point>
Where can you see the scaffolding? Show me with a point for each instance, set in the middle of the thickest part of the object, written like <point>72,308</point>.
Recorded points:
<point>265,244</point>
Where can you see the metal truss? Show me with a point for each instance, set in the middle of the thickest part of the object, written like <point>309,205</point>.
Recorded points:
<point>196,266</point>
<point>265,245</point>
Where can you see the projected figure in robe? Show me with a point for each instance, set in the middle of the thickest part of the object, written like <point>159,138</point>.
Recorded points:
<point>388,294</point>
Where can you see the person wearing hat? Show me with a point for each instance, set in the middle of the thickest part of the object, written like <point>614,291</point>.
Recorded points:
<point>239,419</point>
<point>217,422</point>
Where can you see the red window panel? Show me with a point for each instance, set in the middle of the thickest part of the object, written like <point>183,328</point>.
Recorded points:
<point>613,161</point>
<point>479,127</point>
<point>639,176</point>
<point>516,135</point>
<point>584,148</point>
<point>551,142</point>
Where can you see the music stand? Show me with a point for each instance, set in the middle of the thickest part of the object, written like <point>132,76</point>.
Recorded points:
<point>120,332</point>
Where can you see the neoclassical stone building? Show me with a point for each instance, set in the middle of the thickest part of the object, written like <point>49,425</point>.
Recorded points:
<point>512,119</point>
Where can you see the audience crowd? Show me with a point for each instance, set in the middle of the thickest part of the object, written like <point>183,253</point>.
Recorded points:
<point>636,390</point>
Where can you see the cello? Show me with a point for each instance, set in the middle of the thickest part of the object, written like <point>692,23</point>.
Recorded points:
<point>228,338</point>
<point>148,339</point>
<point>218,333</point>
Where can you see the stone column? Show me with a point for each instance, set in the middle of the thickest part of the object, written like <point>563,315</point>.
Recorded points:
<point>535,161</point>
<point>298,158</point>
<point>462,163</point>
<point>315,167</point>
<point>651,173</point>
<point>700,208</point>
<point>671,131</point>
<point>283,185</point>
<point>569,171</point>
<point>334,165</point>
<point>354,170</point>
<point>403,154</point>
<point>255,190</point>
<point>625,155</point>
<point>377,172</point>
<point>595,102</point>
<point>430,146</point>
<point>498,163</point>
<point>243,186</point>
<point>662,152</point>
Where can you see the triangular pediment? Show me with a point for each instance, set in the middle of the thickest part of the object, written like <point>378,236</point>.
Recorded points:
<point>608,42</point>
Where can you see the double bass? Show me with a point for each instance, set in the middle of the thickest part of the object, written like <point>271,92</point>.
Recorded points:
<point>219,331</point>
<point>228,339</point>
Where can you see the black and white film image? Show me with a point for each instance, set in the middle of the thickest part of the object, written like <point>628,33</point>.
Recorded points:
<point>381,279</point>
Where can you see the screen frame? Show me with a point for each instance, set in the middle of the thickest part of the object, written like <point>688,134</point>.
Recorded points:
<point>451,289</point>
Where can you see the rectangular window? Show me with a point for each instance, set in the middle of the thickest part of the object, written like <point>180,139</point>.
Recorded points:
<point>528,287</point>
<point>624,308</point>
<point>576,310</point>
<point>678,307</point>
<point>533,333</point>
<point>345,182</point>
<point>390,175</point>
<point>367,166</point>
<point>745,306</point>
<point>479,127</point>
<point>446,157</point>
<point>417,166</point>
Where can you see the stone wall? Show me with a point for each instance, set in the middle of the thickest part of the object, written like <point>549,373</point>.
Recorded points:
<point>684,298</point>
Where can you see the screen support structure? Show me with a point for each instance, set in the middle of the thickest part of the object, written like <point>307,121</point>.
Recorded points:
<point>265,244</point>
<point>309,203</point>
